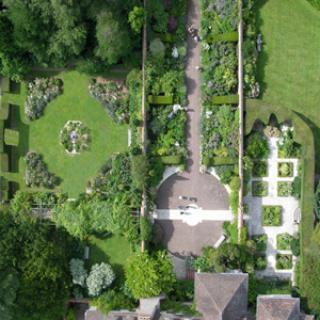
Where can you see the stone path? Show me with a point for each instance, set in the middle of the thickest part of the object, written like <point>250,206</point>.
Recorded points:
<point>289,206</point>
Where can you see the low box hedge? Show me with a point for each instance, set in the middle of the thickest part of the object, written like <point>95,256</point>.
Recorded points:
<point>220,161</point>
<point>285,169</point>
<point>260,169</point>
<point>271,216</point>
<point>4,163</point>
<point>5,84</point>
<point>230,99</point>
<point>227,37</point>
<point>284,261</point>
<point>4,110</point>
<point>259,188</point>
<point>160,100</point>
<point>11,137</point>
<point>1,135</point>
<point>172,160</point>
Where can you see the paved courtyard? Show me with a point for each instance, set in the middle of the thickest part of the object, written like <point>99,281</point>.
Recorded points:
<point>289,206</point>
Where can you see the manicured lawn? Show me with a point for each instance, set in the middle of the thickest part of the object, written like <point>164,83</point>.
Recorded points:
<point>113,249</point>
<point>42,135</point>
<point>289,66</point>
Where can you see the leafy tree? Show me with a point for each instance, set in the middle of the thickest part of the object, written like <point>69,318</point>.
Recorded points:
<point>113,300</point>
<point>9,284</point>
<point>101,276</point>
<point>113,38</point>
<point>136,19</point>
<point>39,254</point>
<point>149,275</point>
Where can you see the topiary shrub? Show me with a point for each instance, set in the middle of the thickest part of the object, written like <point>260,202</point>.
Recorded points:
<point>40,92</point>
<point>101,276</point>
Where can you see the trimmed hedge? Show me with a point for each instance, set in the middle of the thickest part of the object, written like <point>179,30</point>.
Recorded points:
<point>227,37</point>
<point>4,162</point>
<point>220,161</point>
<point>4,111</point>
<point>5,84</point>
<point>4,188</point>
<point>230,99</point>
<point>172,160</point>
<point>11,137</point>
<point>1,135</point>
<point>160,100</point>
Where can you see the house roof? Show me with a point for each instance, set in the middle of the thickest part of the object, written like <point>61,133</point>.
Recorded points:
<point>221,296</point>
<point>278,307</point>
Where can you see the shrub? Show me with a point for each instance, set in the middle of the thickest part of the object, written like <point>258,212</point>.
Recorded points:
<point>257,146</point>
<point>271,216</point>
<point>231,231</point>
<point>112,300</point>
<point>287,147</point>
<point>260,169</point>
<point>40,92</point>
<point>11,137</point>
<point>37,174</point>
<point>136,19</point>
<point>284,189</point>
<point>114,97</point>
<point>261,242</point>
<point>145,229</point>
<point>260,263</point>
<point>101,276</point>
<point>78,272</point>
<point>295,246</point>
<point>283,261</point>
<point>259,188</point>
<point>234,196</point>
<point>284,241</point>
<point>157,49</point>
<point>225,173</point>
<point>285,169</point>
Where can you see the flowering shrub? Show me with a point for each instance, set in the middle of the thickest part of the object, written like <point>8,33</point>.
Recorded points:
<point>101,276</point>
<point>78,272</point>
<point>40,92</point>
<point>37,174</point>
<point>114,97</point>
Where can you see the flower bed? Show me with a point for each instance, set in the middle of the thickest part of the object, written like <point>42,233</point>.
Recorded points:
<point>284,241</point>
<point>37,174</point>
<point>287,147</point>
<point>259,188</point>
<point>285,169</point>
<point>260,169</point>
<point>74,137</point>
<point>165,79</point>
<point>271,216</point>
<point>285,189</point>
<point>284,261</point>
<point>114,97</point>
<point>40,92</point>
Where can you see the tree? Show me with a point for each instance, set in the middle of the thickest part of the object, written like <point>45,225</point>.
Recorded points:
<point>9,284</point>
<point>78,272</point>
<point>101,276</point>
<point>38,254</point>
<point>113,38</point>
<point>149,275</point>
<point>136,19</point>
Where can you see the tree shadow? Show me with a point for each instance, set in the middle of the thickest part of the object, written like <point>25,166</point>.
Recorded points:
<point>263,57</point>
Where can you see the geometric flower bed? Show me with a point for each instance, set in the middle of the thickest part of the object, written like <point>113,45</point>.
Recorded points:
<point>284,261</point>
<point>285,169</point>
<point>74,137</point>
<point>260,169</point>
<point>284,189</point>
<point>284,241</point>
<point>271,216</point>
<point>259,188</point>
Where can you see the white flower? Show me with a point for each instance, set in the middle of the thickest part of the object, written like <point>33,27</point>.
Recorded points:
<point>175,53</point>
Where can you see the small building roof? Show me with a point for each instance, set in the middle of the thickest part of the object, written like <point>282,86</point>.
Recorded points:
<point>278,307</point>
<point>221,296</point>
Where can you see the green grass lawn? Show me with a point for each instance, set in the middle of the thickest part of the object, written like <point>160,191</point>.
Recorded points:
<point>289,66</point>
<point>113,249</point>
<point>42,135</point>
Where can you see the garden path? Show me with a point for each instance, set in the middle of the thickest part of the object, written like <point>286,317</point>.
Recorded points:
<point>288,204</point>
